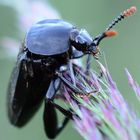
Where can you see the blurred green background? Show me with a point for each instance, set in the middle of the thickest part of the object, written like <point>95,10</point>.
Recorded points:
<point>94,15</point>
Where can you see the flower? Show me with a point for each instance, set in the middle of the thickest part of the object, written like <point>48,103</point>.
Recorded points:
<point>104,114</point>
<point>133,84</point>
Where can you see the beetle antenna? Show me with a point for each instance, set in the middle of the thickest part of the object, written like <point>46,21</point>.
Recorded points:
<point>110,33</point>
<point>124,14</point>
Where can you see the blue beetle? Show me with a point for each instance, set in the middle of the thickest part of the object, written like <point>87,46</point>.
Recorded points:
<point>48,47</point>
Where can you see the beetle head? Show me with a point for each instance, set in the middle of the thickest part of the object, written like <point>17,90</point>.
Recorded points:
<point>84,42</point>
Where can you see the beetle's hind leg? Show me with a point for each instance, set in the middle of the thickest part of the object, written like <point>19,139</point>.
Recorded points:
<point>51,126</point>
<point>52,129</point>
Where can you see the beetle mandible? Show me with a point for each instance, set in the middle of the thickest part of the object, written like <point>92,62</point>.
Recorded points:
<point>47,49</point>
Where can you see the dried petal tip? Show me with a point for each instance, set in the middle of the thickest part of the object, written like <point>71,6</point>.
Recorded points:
<point>129,11</point>
<point>111,33</point>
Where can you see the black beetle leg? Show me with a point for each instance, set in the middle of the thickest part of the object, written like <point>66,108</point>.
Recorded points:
<point>67,113</point>
<point>50,119</point>
<point>72,87</point>
<point>88,63</point>
<point>54,86</point>
<point>71,70</point>
<point>50,116</point>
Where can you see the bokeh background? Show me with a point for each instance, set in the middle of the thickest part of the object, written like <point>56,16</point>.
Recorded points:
<point>94,15</point>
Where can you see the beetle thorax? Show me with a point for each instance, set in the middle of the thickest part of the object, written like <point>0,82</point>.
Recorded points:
<point>49,37</point>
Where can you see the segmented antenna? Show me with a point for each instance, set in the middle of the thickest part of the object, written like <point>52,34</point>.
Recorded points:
<point>110,33</point>
<point>126,13</point>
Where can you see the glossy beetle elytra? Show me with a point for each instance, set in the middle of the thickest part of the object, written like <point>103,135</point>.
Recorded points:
<point>45,55</point>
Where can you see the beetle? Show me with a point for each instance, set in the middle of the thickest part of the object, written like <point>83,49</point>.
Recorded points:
<point>48,47</point>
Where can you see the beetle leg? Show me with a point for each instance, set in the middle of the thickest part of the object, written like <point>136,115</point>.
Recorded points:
<point>88,63</point>
<point>54,85</point>
<point>50,115</point>
<point>72,87</point>
<point>72,72</point>
<point>50,119</point>
<point>67,113</point>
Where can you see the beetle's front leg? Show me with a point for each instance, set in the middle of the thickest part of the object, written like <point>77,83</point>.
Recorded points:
<point>88,63</point>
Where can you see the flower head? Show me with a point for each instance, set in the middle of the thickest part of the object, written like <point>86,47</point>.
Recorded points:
<point>104,114</point>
